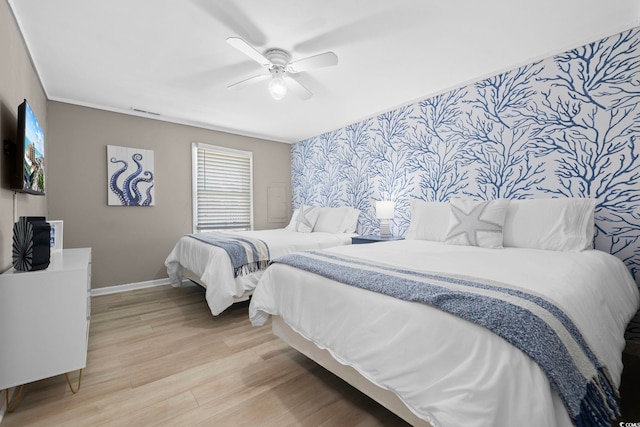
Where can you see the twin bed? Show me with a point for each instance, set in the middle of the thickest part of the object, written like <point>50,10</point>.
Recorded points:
<point>210,266</point>
<point>462,323</point>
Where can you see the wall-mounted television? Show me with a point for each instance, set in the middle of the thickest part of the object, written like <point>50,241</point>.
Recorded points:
<point>28,165</point>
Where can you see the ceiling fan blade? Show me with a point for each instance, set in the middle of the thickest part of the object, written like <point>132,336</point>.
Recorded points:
<point>235,18</point>
<point>297,88</point>
<point>326,59</point>
<point>248,50</point>
<point>251,80</point>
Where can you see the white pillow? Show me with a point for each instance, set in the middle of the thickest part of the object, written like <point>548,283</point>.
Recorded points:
<point>331,220</point>
<point>306,219</point>
<point>292,223</point>
<point>429,220</point>
<point>477,223</point>
<point>351,221</point>
<point>559,224</point>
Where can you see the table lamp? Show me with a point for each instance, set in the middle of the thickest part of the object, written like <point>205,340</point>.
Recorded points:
<point>385,211</point>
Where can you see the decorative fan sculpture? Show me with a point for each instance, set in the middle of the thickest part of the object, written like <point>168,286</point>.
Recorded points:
<point>31,244</point>
<point>22,245</point>
<point>278,64</point>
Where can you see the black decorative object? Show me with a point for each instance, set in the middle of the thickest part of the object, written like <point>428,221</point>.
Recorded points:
<point>31,243</point>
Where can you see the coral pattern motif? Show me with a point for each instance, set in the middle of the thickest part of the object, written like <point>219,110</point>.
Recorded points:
<point>566,126</point>
<point>134,189</point>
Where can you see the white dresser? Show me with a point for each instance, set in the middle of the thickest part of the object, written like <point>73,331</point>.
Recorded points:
<point>44,319</point>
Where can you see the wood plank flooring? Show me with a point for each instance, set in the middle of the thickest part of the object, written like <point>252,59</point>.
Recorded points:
<point>157,357</point>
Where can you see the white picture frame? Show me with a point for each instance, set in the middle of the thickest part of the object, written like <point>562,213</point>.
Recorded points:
<point>57,234</point>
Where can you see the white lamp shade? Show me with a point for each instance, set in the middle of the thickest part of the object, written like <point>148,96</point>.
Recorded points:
<point>385,209</point>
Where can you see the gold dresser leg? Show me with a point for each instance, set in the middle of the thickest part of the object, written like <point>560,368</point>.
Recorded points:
<point>16,399</point>
<point>66,375</point>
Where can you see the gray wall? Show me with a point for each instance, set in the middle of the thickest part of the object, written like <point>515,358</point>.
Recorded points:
<point>130,243</point>
<point>18,80</point>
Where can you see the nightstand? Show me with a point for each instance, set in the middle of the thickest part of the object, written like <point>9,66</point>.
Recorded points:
<point>372,238</point>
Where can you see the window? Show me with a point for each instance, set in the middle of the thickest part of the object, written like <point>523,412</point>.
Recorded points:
<point>222,184</point>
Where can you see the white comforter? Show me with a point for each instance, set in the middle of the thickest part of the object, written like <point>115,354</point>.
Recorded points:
<point>213,266</point>
<point>448,371</point>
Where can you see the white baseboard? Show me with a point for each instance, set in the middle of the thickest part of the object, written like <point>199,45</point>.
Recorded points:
<point>129,287</point>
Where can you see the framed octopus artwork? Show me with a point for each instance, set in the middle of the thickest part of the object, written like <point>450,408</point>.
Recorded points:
<point>130,176</point>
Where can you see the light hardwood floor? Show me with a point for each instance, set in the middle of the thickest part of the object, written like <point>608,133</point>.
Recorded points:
<point>158,357</point>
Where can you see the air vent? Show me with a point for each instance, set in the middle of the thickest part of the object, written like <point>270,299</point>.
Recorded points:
<point>138,110</point>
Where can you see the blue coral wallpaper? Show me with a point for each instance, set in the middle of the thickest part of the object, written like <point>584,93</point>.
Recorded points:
<point>565,126</point>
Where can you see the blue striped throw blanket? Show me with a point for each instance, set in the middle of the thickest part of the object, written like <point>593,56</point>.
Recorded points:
<point>247,254</point>
<point>533,324</point>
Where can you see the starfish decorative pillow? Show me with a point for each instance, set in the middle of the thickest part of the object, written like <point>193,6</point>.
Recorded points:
<point>477,223</point>
<point>306,219</point>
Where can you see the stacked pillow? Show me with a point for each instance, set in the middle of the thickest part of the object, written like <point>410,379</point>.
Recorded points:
<point>565,224</point>
<point>559,224</point>
<point>342,219</point>
<point>429,220</point>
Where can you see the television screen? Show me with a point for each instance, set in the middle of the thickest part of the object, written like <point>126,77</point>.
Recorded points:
<point>30,153</point>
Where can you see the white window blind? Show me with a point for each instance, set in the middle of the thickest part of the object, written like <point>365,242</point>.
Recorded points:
<point>222,188</point>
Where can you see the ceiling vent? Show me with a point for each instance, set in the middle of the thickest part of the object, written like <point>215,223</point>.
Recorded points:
<point>138,110</point>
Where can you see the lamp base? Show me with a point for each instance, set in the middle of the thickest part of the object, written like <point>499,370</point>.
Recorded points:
<point>384,228</point>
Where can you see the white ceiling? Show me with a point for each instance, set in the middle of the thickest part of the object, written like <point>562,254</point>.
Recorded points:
<point>170,56</point>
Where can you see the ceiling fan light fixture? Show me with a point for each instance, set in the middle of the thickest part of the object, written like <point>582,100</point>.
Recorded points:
<point>277,87</point>
<point>278,62</point>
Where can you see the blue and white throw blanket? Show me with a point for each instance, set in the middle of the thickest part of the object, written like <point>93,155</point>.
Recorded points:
<point>247,254</point>
<point>533,324</point>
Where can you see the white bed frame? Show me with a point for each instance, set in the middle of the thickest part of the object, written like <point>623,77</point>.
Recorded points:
<point>322,357</point>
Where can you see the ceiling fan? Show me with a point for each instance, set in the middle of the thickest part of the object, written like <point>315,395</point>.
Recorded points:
<point>279,66</point>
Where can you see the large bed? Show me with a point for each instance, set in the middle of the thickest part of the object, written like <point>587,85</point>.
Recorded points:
<point>210,266</point>
<point>435,368</point>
